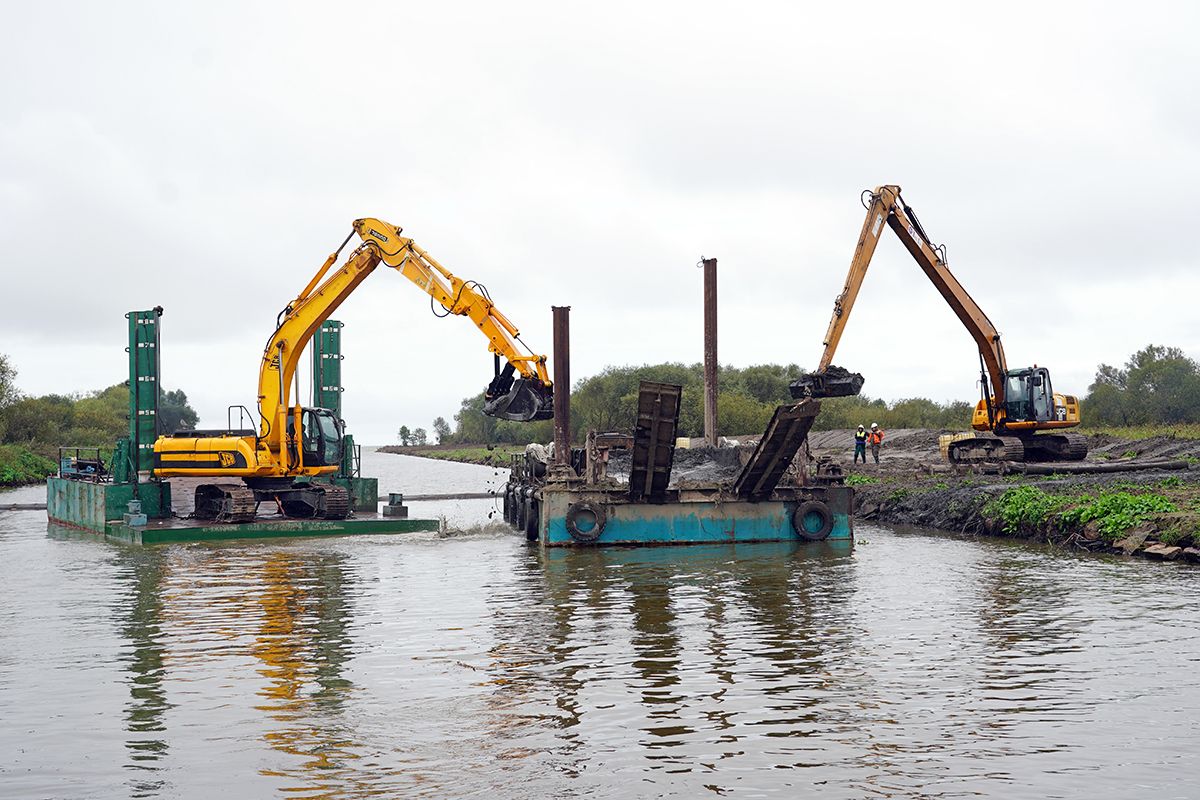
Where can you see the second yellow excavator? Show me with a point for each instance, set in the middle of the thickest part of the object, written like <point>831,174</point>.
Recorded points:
<point>293,444</point>
<point>1018,407</point>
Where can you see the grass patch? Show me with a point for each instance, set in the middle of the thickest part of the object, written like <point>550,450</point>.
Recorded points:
<point>498,456</point>
<point>1117,512</point>
<point>1113,511</point>
<point>1183,431</point>
<point>19,466</point>
<point>1024,507</point>
<point>860,480</point>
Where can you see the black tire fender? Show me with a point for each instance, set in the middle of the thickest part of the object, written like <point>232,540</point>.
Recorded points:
<point>803,512</point>
<point>530,523</point>
<point>508,504</point>
<point>577,511</point>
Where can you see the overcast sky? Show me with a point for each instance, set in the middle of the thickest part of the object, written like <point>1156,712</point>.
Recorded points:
<point>206,157</point>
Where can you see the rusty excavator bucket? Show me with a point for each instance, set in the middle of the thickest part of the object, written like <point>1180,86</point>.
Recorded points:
<point>833,382</point>
<point>519,400</point>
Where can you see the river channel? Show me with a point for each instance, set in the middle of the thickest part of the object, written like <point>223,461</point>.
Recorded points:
<point>469,664</point>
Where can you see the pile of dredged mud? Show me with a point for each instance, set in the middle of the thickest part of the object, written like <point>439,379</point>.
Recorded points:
<point>693,467</point>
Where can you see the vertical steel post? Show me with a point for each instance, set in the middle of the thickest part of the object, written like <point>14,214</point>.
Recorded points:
<point>710,351</point>
<point>562,384</point>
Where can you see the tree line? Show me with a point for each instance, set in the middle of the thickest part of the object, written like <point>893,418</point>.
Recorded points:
<point>1157,386</point>
<point>93,419</point>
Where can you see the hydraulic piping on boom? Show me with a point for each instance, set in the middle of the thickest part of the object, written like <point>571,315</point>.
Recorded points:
<point>1015,403</point>
<point>293,443</point>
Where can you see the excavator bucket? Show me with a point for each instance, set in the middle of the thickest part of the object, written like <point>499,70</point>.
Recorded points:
<point>525,401</point>
<point>833,382</point>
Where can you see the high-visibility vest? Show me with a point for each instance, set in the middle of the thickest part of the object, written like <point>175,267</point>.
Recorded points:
<point>876,437</point>
<point>860,437</point>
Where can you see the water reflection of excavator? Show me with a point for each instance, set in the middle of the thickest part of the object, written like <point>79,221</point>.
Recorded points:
<point>1016,404</point>
<point>293,442</point>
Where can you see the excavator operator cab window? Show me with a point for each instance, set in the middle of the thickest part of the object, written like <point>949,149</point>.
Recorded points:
<point>1017,396</point>
<point>322,435</point>
<point>1028,396</point>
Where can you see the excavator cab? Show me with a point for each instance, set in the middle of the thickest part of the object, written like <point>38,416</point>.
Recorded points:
<point>320,437</point>
<point>519,400</point>
<point>1028,395</point>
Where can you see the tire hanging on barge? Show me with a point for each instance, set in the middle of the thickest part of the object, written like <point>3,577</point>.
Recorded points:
<point>812,521</point>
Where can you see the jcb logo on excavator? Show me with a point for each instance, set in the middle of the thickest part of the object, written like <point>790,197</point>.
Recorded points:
<point>377,234</point>
<point>226,459</point>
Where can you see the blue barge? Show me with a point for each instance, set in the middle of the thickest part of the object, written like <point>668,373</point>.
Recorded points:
<point>574,503</point>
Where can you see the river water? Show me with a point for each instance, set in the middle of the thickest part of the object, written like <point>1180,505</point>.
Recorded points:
<point>469,664</point>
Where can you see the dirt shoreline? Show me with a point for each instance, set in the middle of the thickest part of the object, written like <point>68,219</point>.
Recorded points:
<point>1151,513</point>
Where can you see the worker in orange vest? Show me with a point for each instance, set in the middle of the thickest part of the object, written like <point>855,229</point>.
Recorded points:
<point>875,439</point>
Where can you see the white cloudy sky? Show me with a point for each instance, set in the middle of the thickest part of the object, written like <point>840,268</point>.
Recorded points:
<point>208,156</point>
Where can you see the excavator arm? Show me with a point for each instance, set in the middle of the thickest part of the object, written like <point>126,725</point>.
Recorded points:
<point>520,391</point>
<point>887,206</point>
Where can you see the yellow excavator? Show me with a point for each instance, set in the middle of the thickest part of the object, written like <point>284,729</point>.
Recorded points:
<point>293,444</point>
<point>1018,410</point>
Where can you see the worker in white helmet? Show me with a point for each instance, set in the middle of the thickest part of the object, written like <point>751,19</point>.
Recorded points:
<point>875,439</point>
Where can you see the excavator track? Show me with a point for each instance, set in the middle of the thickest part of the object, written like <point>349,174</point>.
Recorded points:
<point>987,450</point>
<point>225,502</point>
<point>1042,447</point>
<point>337,503</point>
<point>1057,447</point>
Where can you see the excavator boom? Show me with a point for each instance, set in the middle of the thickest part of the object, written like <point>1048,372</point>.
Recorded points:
<point>520,391</point>
<point>1014,403</point>
<point>887,207</point>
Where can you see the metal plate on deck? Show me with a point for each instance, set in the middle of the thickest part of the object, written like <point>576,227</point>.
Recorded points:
<point>654,440</point>
<point>785,433</point>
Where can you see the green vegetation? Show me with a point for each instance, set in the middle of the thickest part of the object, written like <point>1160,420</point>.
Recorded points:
<point>1114,511</point>
<point>858,479</point>
<point>1156,392</point>
<point>19,466</point>
<point>1117,512</point>
<point>1157,386</point>
<point>1138,432</point>
<point>1024,507</point>
<point>748,397</point>
<point>491,456</point>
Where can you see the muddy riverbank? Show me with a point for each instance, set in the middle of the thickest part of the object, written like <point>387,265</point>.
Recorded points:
<point>1153,513</point>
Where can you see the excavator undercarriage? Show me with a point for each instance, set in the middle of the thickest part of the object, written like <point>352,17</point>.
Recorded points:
<point>232,502</point>
<point>989,448</point>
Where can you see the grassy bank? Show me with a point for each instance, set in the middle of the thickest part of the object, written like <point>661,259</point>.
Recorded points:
<point>1141,432</point>
<point>1156,516</point>
<point>489,455</point>
<point>19,466</point>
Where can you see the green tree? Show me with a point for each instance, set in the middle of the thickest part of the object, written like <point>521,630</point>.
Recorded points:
<point>441,429</point>
<point>420,437</point>
<point>404,435</point>
<point>473,426</point>
<point>175,414</point>
<point>1157,385</point>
